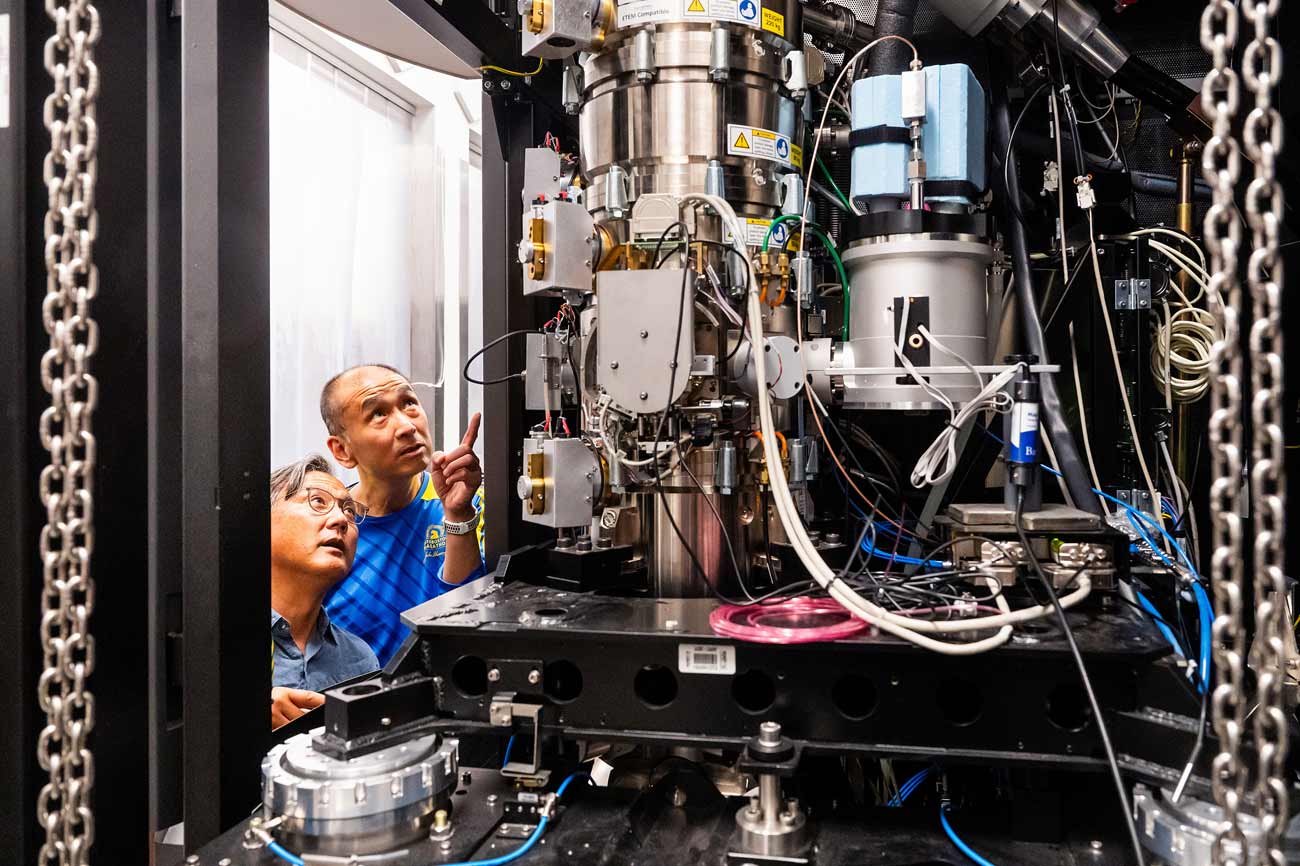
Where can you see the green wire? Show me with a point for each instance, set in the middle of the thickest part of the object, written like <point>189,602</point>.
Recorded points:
<point>838,192</point>
<point>835,256</point>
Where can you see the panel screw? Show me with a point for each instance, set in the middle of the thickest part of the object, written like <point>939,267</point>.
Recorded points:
<point>491,799</point>
<point>644,395</point>
<point>645,334</point>
<point>1095,845</point>
<point>494,675</point>
<point>769,733</point>
<point>534,677</point>
<point>613,365</point>
<point>193,858</point>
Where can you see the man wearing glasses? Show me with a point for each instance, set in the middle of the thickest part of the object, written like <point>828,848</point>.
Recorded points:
<point>313,540</point>
<point>421,538</point>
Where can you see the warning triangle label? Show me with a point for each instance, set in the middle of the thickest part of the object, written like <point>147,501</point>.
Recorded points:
<point>741,141</point>
<point>696,6</point>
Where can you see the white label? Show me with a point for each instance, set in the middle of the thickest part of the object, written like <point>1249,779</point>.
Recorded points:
<point>758,143</point>
<point>756,230</point>
<point>748,12</point>
<point>4,70</point>
<point>706,658</point>
<point>634,12</point>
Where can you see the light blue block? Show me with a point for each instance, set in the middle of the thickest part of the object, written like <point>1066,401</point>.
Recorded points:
<point>954,136</point>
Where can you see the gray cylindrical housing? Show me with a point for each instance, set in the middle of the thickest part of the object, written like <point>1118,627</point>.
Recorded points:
<point>951,272</point>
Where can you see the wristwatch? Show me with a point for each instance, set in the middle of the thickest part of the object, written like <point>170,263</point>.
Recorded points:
<point>463,527</point>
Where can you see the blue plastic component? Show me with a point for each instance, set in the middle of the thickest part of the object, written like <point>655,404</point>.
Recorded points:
<point>953,138</point>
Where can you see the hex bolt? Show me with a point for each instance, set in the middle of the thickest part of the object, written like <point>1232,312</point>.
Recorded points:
<point>534,676</point>
<point>494,675</point>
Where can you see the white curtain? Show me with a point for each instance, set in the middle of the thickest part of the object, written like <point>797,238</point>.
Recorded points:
<point>343,259</point>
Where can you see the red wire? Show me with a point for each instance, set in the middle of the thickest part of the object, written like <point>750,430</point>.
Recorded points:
<point>798,620</point>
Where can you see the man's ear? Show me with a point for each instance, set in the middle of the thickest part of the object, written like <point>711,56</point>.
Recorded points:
<point>340,451</point>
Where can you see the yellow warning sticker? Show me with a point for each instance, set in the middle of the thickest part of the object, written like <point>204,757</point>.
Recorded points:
<point>748,12</point>
<point>695,6</point>
<point>773,21</point>
<point>756,231</point>
<point>759,143</point>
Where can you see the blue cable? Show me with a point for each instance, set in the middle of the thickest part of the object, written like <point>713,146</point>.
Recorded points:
<point>1161,625</point>
<point>510,744</point>
<point>956,840</point>
<point>279,850</point>
<point>909,787</point>
<point>869,548</point>
<point>1206,609</point>
<point>1137,527</point>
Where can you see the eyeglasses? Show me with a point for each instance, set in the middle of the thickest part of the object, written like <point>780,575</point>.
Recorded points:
<point>322,501</point>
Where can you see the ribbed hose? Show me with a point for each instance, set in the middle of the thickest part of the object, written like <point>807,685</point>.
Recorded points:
<point>1067,453</point>
<point>894,18</point>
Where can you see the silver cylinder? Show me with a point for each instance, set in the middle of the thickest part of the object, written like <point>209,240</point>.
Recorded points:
<point>666,133</point>
<point>726,473</point>
<point>950,271</point>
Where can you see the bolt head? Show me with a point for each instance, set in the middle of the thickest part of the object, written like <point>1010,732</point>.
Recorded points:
<point>769,733</point>
<point>644,395</point>
<point>613,365</point>
<point>491,799</point>
<point>494,675</point>
<point>534,677</point>
<point>644,334</point>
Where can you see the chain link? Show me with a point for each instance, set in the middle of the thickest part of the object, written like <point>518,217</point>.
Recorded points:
<point>1221,163</point>
<point>66,484</point>
<point>1261,65</point>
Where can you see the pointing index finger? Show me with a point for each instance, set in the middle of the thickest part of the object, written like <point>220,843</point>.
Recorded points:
<point>471,432</point>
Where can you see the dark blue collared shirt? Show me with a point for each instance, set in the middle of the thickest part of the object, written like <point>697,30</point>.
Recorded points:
<point>333,655</point>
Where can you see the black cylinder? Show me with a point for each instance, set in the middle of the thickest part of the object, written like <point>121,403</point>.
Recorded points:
<point>894,18</point>
<point>1067,453</point>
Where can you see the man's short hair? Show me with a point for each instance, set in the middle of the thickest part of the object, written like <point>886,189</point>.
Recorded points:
<point>288,480</point>
<point>329,410</point>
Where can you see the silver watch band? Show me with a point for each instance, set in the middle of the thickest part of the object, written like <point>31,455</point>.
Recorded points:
<point>464,527</point>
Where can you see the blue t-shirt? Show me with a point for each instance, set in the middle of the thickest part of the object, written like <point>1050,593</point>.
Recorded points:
<point>332,656</point>
<point>399,562</point>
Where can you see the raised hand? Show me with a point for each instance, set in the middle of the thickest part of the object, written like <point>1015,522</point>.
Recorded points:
<point>457,474</point>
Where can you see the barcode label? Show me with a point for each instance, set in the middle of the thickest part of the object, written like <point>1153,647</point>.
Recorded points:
<point>706,658</point>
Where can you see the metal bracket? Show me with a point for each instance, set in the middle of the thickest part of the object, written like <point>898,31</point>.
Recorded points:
<point>1133,294</point>
<point>1139,499</point>
<point>503,712</point>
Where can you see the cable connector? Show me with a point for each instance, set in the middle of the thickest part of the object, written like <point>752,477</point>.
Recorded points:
<point>1083,194</point>
<point>548,807</point>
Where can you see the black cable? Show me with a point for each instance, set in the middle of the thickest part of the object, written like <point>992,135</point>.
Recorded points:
<point>486,346</point>
<point>1083,675</point>
<point>1067,452</point>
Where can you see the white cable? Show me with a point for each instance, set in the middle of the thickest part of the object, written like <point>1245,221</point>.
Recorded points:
<point>939,461</point>
<point>1119,373</point>
<point>906,628</point>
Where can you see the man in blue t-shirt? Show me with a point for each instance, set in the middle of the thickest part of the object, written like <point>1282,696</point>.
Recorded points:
<point>421,534</point>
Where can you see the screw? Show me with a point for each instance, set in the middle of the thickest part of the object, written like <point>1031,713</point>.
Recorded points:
<point>494,675</point>
<point>769,733</point>
<point>385,722</point>
<point>644,395</point>
<point>224,861</point>
<point>506,85</point>
<point>535,676</point>
<point>753,809</point>
<point>613,365</point>
<point>491,799</point>
<point>445,845</point>
<point>645,334</point>
<point>1096,845</point>
<point>587,263</point>
<point>466,779</point>
<point>193,858</point>
<point>440,820</point>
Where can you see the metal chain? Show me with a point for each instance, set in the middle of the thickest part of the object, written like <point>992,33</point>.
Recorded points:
<point>1262,136</point>
<point>66,487</point>
<point>1221,163</point>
